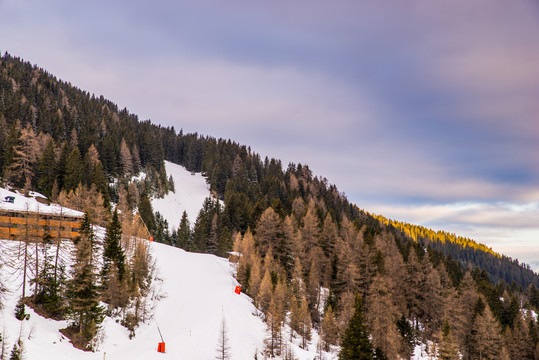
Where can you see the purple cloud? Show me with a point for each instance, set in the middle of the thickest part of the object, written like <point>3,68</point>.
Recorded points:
<point>396,102</point>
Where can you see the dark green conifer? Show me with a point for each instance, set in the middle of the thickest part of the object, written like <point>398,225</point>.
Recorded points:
<point>73,170</point>
<point>82,290</point>
<point>113,253</point>
<point>16,352</point>
<point>146,212</point>
<point>9,145</point>
<point>46,171</point>
<point>407,334</point>
<point>184,233</point>
<point>62,163</point>
<point>356,344</point>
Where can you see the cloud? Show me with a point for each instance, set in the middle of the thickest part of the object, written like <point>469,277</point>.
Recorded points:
<point>505,215</point>
<point>400,104</point>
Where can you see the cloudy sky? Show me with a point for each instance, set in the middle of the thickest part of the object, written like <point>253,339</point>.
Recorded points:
<point>424,111</point>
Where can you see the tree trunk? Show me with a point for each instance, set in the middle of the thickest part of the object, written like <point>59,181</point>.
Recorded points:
<point>37,270</point>
<point>58,240</point>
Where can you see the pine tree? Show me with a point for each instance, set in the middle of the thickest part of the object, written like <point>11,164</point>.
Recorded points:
<point>432,305</point>
<point>225,242</point>
<point>255,277</point>
<point>381,316</point>
<point>99,179</point>
<point>356,344</point>
<point>280,298</point>
<point>47,170</point>
<point>125,159</point>
<point>49,292</point>
<point>267,231</point>
<point>486,337</point>
<point>304,323</point>
<point>328,236</point>
<point>312,290</point>
<point>273,344</point>
<point>8,147</point>
<point>212,240</point>
<point>223,346</point>
<point>16,352</point>
<point>310,230</point>
<point>62,164</point>
<point>24,158</point>
<point>3,134</point>
<point>461,309</point>
<point>447,349</point>
<point>300,319</point>
<point>113,253</point>
<point>518,342</point>
<point>82,290</point>
<point>297,285</point>
<point>93,156</point>
<point>406,333</point>
<point>136,159</point>
<point>73,170</point>
<point>294,315</point>
<point>329,329</point>
<point>265,293</point>
<point>146,212</point>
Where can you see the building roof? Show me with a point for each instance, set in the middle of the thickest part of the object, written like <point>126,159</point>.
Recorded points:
<point>18,202</point>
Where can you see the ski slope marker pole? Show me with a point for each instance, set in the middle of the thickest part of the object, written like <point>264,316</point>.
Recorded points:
<point>159,331</point>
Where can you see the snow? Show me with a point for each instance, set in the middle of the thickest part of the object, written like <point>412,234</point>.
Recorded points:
<point>23,203</point>
<point>424,352</point>
<point>191,191</point>
<point>199,292</point>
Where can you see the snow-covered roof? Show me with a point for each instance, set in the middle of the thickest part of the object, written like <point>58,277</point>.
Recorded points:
<point>31,204</point>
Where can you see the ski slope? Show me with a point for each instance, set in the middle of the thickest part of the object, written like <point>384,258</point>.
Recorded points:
<point>191,190</point>
<point>198,291</point>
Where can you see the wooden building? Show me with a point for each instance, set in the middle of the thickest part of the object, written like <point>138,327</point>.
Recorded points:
<point>34,226</point>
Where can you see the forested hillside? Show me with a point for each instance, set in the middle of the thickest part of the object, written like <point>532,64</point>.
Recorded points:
<point>303,250</point>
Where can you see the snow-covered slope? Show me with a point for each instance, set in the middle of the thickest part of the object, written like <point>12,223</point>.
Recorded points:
<point>198,292</point>
<point>191,190</point>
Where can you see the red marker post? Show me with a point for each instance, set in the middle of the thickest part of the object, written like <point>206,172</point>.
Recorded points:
<point>161,345</point>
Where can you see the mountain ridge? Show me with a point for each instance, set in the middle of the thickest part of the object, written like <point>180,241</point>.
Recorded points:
<point>296,233</point>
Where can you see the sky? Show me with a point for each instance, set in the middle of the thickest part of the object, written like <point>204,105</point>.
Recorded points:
<point>423,111</point>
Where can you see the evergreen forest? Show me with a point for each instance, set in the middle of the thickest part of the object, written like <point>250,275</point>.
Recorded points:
<point>308,257</point>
